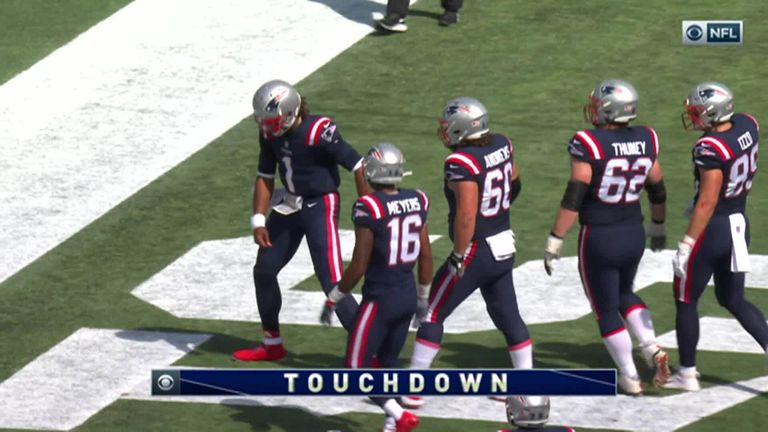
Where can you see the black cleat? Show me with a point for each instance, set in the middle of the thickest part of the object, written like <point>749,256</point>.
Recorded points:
<point>448,18</point>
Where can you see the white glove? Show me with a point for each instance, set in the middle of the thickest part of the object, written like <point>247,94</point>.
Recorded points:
<point>552,252</point>
<point>422,305</point>
<point>680,261</point>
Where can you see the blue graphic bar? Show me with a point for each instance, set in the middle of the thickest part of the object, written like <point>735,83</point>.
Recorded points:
<point>384,382</point>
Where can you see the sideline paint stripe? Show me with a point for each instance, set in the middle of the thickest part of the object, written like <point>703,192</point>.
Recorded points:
<point>104,115</point>
<point>84,373</point>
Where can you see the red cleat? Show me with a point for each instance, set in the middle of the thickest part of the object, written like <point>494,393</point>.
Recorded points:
<point>412,402</point>
<point>261,353</point>
<point>407,422</point>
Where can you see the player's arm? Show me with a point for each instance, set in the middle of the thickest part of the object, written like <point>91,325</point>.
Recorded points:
<point>515,186</point>
<point>345,155</point>
<point>466,214</point>
<point>711,180</point>
<point>262,194</point>
<point>361,256</point>
<point>657,196</point>
<point>425,278</point>
<point>578,184</point>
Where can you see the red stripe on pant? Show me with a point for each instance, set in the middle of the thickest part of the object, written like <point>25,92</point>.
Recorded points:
<point>333,249</point>
<point>583,233</point>
<point>358,342</point>
<point>446,284</point>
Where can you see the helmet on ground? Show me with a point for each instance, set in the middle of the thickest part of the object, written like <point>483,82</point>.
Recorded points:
<point>463,118</point>
<point>708,104</point>
<point>276,106</point>
<point>528,411</point>
<point>383,164</point>
<point>611,101</point>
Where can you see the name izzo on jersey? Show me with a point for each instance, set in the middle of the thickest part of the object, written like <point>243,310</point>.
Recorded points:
<point>499,156</point>
<point>409,205</point>
<point>632,148</point>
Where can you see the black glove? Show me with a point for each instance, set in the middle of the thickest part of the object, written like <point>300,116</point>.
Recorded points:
<point>658,235</point>
<point>456,264</point>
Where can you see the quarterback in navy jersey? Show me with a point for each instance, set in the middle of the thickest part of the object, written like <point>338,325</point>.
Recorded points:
<point>305,151</point>
<point>391,236</point>
<point>481,182</point>
<point>610,165</point>
<point>725,163</point>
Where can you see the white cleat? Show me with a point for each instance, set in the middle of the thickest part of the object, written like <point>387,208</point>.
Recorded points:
<point>680,381</point>
<point>390,425</point>
<point>658,360</point>
<point>630,385</point>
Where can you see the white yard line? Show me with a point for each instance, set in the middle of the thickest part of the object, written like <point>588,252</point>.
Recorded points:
<point>104,115</point>
<point>84,373</point>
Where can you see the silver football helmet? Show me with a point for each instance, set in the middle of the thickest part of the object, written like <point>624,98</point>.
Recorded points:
<point>463,118</point>
<point>611,101</point>
<point>708,104</point>
<point>383,164</point>
<point>528,411</point>
<point>276,106</point>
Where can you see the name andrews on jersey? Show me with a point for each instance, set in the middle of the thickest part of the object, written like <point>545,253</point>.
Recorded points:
<point>499,156</point>
<point>632,148</point>
<point>404,206</point>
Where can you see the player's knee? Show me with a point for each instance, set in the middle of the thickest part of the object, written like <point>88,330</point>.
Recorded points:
<point>609,323</point>
<point>731,303</point>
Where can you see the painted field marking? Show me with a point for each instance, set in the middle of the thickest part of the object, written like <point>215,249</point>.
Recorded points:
<point>103,116</point>
<point>84,373</point>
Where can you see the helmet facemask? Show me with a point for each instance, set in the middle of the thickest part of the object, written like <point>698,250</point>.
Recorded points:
<point>694,117</point>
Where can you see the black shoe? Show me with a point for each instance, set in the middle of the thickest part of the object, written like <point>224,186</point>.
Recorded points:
<point>392,23</point>
<point>448,18</point>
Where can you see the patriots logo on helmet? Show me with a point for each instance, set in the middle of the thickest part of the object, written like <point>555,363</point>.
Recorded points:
<point>274,103</point>
<point>609,89</point>
<point>453,109</point>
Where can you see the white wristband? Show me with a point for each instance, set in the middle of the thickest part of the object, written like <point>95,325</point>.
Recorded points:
<point>336,295</point>
<point>423,291</point>
<point>690,241</point>
<point>258,221</point>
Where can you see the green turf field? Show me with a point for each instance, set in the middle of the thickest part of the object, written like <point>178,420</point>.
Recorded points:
<point>531,63</point>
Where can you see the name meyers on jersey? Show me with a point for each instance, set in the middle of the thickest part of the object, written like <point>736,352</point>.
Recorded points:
<point>632,148</point>
<point>499,156</point>
<point>409,205</point>
<point>396,384</point>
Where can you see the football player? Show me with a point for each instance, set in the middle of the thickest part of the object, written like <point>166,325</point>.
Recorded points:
<point>481,182</point>
<point>530,413</point>
<point>725,162</point>
<point>390,238</point>
<point>610,165</point>
<point>306,150</point>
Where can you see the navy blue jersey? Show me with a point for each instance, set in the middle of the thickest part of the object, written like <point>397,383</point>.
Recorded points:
<point>734,152</point>
<point>490,166</point>
<point>308,157</point>
<point>621,160</point>
<point>396,221</point>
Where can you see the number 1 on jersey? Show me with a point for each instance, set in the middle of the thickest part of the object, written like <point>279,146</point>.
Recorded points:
<point>404,235</point>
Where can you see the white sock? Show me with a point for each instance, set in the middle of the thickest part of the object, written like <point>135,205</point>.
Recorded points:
<point>393,409</point>
<point>688,371</point>
<point>639,322</point>
<point>424,353</point>
<point>272,338</point>
<point>619,345</point>
<point>522,355</point>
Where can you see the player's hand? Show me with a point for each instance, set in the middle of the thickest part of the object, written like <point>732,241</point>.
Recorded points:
<point>552,252</point>
<point>658,235</point>
<point>680,261</point>
<point>422,306</point>
<point>456,264</point>
<point>261,237</point>
<point>326,316</point>
<point>334,296</point>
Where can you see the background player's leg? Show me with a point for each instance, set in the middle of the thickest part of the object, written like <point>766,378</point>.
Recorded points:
<point>729,289</point>
<point>501,304</point>
<point>446,294</point>
<point>601,285</point>
<point>398,7</point>
<point>285,236</point>
<point>320,218</point>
